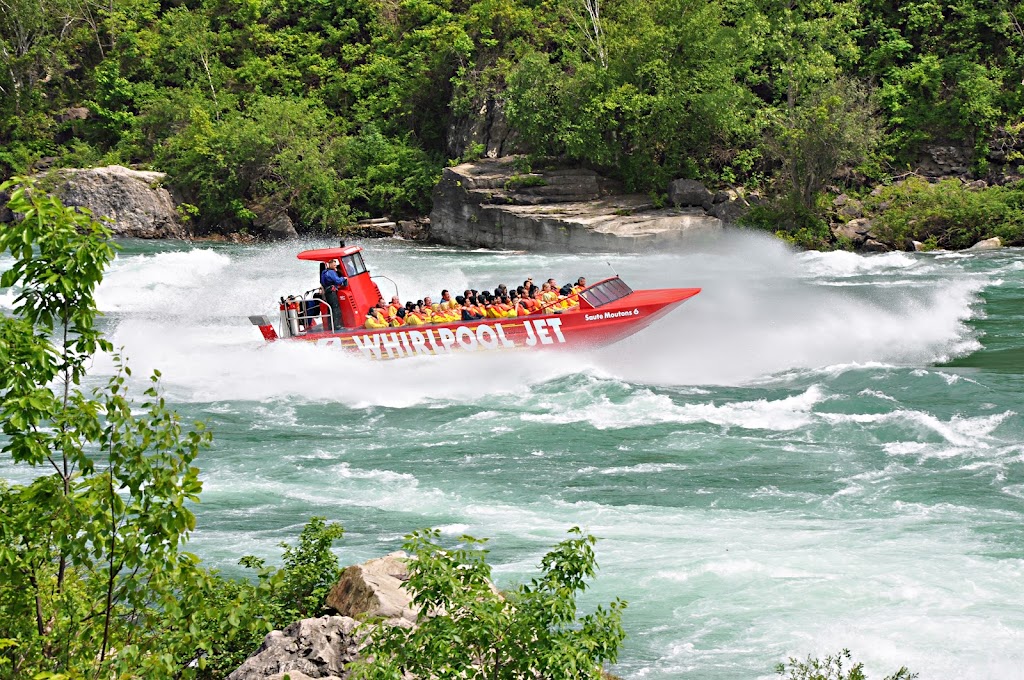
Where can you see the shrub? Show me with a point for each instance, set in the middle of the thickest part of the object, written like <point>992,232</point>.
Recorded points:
<point>948,214</point>
<point>832,668</point>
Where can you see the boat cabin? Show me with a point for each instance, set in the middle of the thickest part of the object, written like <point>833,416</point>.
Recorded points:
<point>361,293</point>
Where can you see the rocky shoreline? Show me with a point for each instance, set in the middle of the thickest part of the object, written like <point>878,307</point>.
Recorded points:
<point>501,203</point>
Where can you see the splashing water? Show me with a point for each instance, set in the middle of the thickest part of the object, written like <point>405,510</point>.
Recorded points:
<point>782,466</point>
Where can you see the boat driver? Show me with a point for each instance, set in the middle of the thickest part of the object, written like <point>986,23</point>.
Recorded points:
<point>331,279</point>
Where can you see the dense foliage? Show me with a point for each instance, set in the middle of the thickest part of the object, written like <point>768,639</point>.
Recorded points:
<point>334,109</point>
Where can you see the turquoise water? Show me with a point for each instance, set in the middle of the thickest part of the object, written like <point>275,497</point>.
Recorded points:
<point>819,451</point>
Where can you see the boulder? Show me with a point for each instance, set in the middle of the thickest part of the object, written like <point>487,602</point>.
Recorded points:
<point>314,648</point>
<point>858,231</point>
<point>944,160</point>
<point>134,200</point>
<point>374,589</point>
<point>918,246</point>
<point>850,231</point>
<point>873,246</point>
<point>847,207</point>
<point>730,211</point>
<point>274,224</point>
<point>686,193</point>
<point>414,230</point>
<point>994,243</point>
<point>494,204</point>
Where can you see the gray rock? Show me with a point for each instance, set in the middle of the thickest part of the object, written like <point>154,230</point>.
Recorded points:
<point>918,246</point>
<point>873,246</point>
<point>414,230</point>
<point>730,212</point>
<point>977,184</point>
<point>73,113</point>
<point>686,193</point>
<point>317,648</point>
<point>486,204</point>
<point>847,207</point>
<point>486,126</point>
<point>134,200</point>
<point>299,675</point>
<point>849,231</point>
<point>274,224</point>
<point>994,243</point>
<point>375,589</point>
<point>944,160</point>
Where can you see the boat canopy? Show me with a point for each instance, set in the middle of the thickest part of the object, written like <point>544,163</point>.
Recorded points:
<point>326,254</point>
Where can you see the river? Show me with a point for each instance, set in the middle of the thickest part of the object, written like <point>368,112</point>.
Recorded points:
<point>821,450</point>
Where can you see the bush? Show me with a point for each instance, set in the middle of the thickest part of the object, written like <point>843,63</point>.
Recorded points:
<point>832,668</point>
<point>948,214</point>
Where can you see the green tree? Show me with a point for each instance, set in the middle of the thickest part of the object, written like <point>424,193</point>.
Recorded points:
<point>93,577</point>
<point>831,125</point>
<point>468,629</point>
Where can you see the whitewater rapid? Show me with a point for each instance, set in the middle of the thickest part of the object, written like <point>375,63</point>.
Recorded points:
<point>786,465</point>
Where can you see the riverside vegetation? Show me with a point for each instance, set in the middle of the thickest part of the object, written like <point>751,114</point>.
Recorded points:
<point>332,110</point>
<point>95,581</point>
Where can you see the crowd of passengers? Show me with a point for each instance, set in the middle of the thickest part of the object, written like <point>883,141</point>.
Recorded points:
<point>472,305</point>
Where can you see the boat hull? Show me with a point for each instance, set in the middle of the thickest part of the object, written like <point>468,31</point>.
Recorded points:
<point>575,329</point>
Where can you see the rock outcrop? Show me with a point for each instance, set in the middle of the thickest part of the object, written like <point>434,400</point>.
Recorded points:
<point>315,648</point>
<point>994,243</point>
<point>133,200</point>
<point>322,647</point>
<point>491,204</point>
<point>486,129</point>
<point>374,589</point>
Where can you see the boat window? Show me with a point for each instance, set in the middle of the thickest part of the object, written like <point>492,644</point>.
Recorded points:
<point>606,292</point>
<point>353,264</point>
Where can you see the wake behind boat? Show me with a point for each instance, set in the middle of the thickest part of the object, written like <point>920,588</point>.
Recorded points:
<point>586,316</point>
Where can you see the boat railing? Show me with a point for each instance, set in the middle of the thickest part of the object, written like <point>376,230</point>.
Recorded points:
<point>304,322</point>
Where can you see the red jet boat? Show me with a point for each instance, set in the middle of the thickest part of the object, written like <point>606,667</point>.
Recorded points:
<point>608,311</point>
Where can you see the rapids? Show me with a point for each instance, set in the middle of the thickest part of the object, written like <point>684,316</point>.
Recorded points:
<point>821,450</point>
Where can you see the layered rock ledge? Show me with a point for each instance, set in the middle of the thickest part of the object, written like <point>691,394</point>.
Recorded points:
<point>489,204</point>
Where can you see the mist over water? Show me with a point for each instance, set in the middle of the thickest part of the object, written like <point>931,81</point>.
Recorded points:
<point>821,450</point>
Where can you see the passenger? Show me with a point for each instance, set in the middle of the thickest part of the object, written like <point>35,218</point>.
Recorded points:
<point>375,319</point>
<point>414,317</point>
<point>399,318</point>
<point>394,306</point>
<point>331,280</point>
<point>468,312</point>
<point>446,296</point>
<point>548,294</point>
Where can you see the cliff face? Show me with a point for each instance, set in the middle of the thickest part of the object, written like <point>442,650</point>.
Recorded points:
<point>489,204</point>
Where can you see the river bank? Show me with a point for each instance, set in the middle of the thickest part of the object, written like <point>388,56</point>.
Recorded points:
<point>514,203</point>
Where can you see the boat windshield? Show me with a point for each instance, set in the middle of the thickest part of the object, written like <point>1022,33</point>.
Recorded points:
<point>353,264</point>
<point>606,292</point>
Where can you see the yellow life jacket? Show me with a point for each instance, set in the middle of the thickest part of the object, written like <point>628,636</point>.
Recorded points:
<point>373,321</point>
<point>413,319</point>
